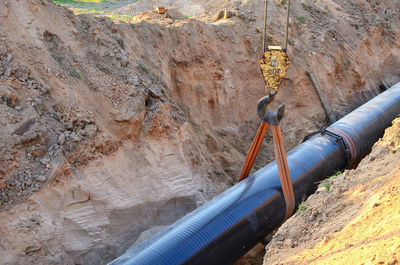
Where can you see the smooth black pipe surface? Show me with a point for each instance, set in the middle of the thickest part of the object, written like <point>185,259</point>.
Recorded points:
<point>225,228</point>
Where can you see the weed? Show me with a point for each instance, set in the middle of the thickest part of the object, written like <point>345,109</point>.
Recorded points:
<point>144,68</point>
<point>38,108</point>
<point>187,16</point>
<point>301,19</point>
<point>57,116</point>
<point>325,11</point>
<point>304,5</point>
<point>75,74</point>
<point>164,92</point>
<point>327,187</point>
<point>337,173</point>
<point>302,207</point>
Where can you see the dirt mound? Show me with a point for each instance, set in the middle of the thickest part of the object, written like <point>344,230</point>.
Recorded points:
<point>109,130</point>
<point>352,219</point>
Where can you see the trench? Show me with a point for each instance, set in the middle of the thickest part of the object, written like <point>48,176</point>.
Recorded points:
<point>225,228</point>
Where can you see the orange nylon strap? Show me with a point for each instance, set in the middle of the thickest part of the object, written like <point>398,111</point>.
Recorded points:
<point>283,168</point>
<point>281,160</point>
<point>254,149</point>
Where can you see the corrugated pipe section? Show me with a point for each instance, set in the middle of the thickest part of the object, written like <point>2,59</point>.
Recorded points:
<point>225,228</point>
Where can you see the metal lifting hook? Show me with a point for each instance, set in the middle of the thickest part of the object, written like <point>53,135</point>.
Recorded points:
<point>262,108</point>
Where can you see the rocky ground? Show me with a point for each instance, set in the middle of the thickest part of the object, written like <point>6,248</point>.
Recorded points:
<point>113,129</point>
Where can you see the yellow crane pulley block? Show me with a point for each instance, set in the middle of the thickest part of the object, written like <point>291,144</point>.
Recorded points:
<point>274,64</point>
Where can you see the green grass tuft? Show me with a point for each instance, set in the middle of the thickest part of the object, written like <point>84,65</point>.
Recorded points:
<point>301,19</point>
<point>75,74</point>
<point>302,207</point>
<point>57,116</point>
<point>144,68</point>
<point>38,108</point>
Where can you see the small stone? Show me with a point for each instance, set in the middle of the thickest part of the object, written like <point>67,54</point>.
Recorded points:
<point>133,80</point>
<point>41,179</point>
<point>289,243</point>
<point>10,57</point>
<point>160,10</point>
<point>17,183</point>
<point>11,100</point>
<point>90,130</point>
<point>74,137</point>
<point>61,139</point>
<point>155,91</point>
<point>18,108</point>
<point>28,182</point>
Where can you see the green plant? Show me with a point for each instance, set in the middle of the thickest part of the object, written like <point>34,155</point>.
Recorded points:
<point>338,173</point>
<point>301,19</point>
<point>75,74</point>
<point>304,5</point>
<point>57,116</point>
<point>144,68</point>
<point>325,11</point>
<point>327,186</point>
<point>38,108</point>
<point>302,207</point>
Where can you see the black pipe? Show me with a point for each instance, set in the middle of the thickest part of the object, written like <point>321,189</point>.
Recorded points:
<point>225,228</point>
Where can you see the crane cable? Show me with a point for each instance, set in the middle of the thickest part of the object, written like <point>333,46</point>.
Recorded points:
<point>264,48</point>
